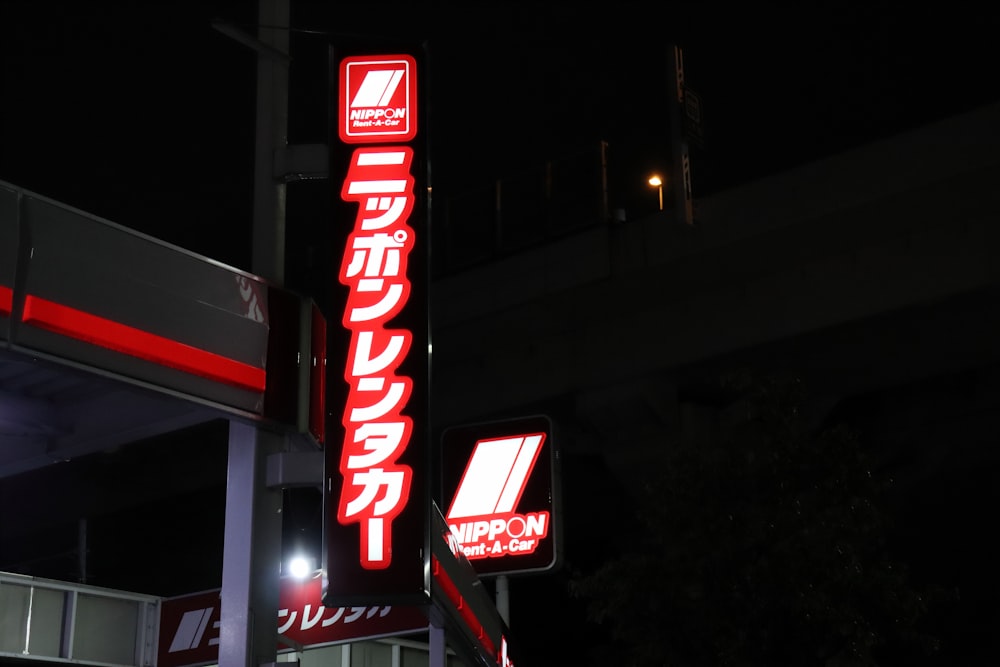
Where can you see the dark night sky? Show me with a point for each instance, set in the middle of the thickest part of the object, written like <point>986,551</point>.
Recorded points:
<point>143,114</point>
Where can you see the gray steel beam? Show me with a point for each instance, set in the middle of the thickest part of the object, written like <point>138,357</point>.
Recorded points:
<point>251,566</point>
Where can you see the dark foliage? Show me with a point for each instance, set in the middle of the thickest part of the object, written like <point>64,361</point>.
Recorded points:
<point>764,546</point>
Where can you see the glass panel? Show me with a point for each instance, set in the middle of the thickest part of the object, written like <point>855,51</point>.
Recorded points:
<point>328,656</point>
<point>106,629</point>
<point>415,657</point>
<point>370,654</point>
<point>13,617</point>
<point>46,622</point>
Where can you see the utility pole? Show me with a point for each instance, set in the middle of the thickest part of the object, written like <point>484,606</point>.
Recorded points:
<point>272,137</point>
<point>681,156</point>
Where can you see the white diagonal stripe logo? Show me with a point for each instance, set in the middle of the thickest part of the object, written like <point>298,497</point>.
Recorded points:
<point>495,476</point>
<point>377,88</point>
<point>190,630</point>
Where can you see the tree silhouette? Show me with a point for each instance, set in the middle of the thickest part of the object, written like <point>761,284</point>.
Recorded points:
<point>764,546</point>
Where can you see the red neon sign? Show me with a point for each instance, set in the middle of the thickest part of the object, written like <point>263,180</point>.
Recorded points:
<point>379,98</point>
<point>374,268</point>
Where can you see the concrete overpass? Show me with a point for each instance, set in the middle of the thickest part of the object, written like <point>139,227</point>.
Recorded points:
<point>867,270</point>
<point>871,275</point>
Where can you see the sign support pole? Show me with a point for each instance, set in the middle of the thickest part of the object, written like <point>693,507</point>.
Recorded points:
<point>503,598</point>
<point>437,648</point>
<point>248,634</point>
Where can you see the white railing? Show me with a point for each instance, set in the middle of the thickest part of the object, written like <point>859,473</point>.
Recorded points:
<point>57,621</point>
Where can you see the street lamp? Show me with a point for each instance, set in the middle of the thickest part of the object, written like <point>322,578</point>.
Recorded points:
<point>655,181</point>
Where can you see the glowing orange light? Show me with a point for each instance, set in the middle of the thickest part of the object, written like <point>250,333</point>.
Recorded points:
<point>657,183</point>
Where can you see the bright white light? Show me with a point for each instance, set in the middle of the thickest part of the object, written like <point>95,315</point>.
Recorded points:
<point>300,567</point>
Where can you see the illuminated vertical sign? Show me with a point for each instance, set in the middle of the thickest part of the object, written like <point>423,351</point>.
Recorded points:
<point>376,494</point>
<point>500,488</point>
<point>376,485</point>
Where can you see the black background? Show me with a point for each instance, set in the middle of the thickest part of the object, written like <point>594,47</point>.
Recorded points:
<point>143,114</point>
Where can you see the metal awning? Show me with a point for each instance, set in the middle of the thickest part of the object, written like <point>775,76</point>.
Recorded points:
<point>109,336</point>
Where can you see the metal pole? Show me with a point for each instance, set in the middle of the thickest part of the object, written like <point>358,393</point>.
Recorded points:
<point>272,135</point>
<point>503,598</point>
<point>437,646</point>
<point>681,181</point>
<point>251,568</point>
<point>81,542</point>
<point>498,220</point>
<point>605,210</point>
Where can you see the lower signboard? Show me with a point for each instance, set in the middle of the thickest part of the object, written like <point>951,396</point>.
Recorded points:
<point>189,624</point>
<point>503,484</point>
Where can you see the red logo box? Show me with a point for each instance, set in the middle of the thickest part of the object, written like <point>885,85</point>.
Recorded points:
<point>377,99</point>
